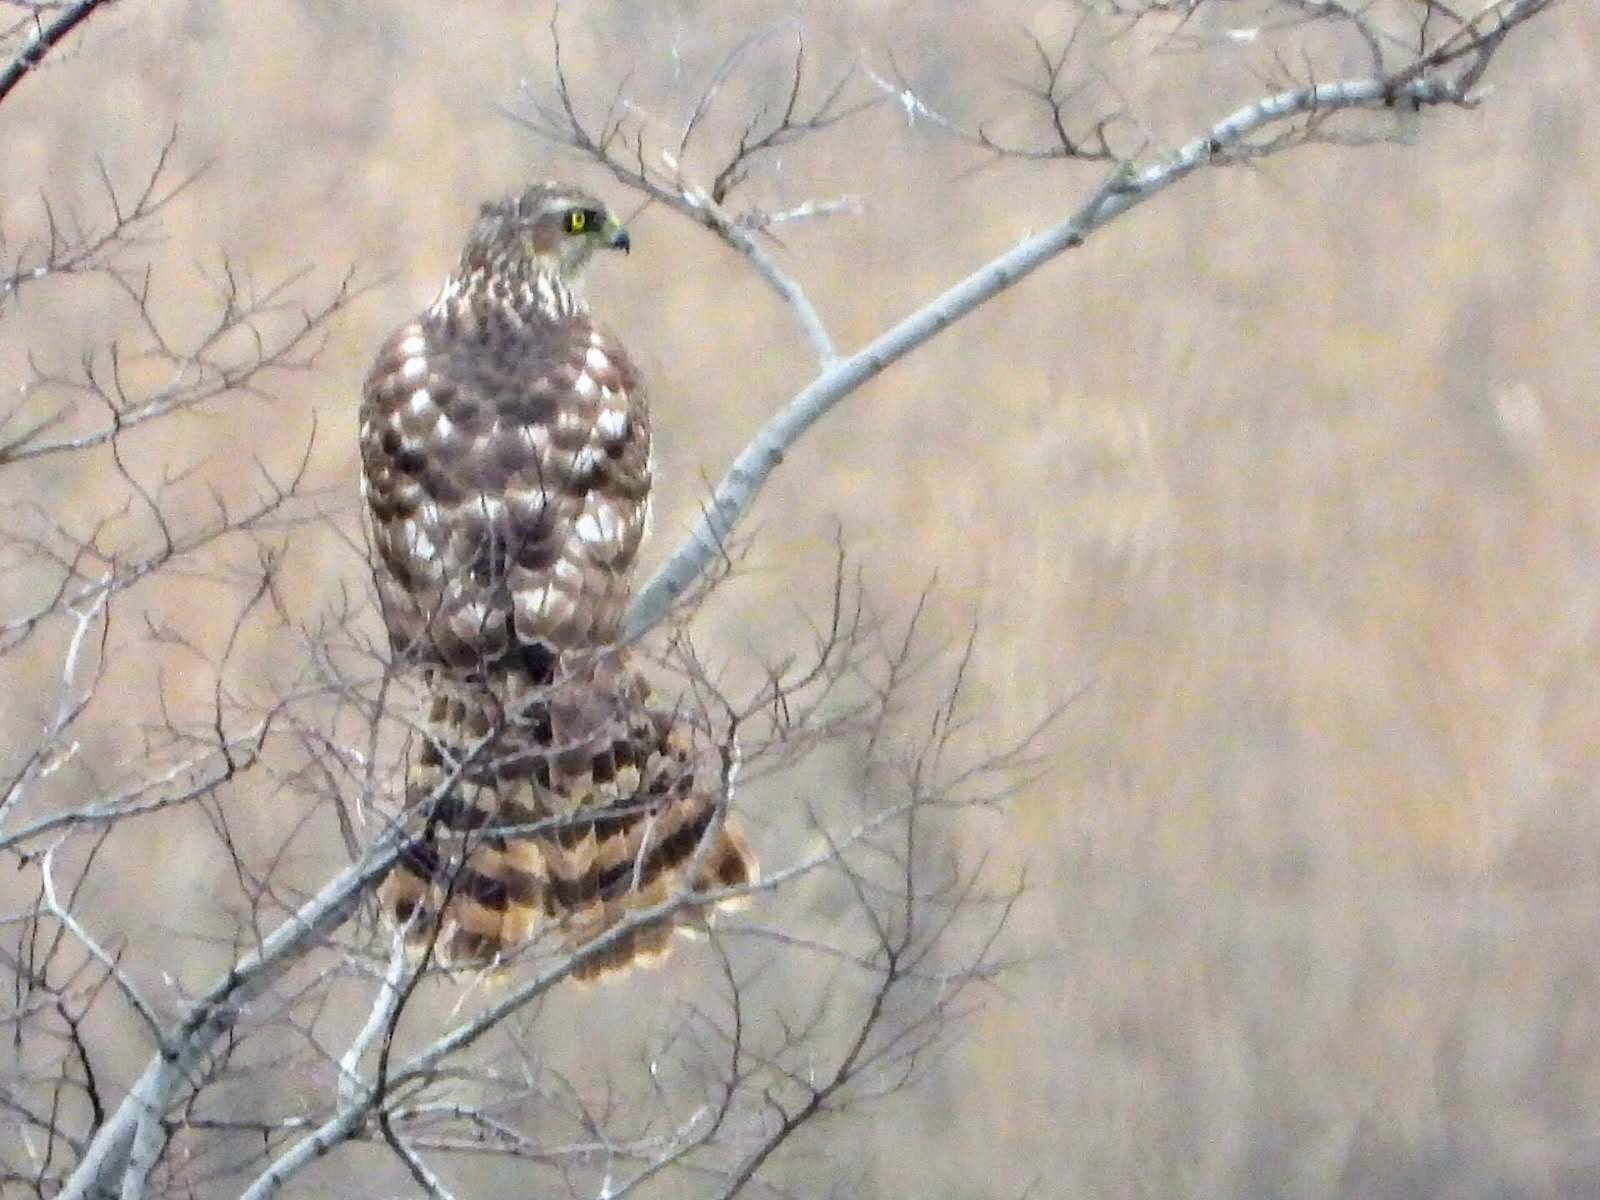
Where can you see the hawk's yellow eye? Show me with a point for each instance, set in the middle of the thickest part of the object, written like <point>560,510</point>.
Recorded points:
<point>577,220</point>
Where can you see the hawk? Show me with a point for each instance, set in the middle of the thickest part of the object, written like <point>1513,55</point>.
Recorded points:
<point>505,451</point>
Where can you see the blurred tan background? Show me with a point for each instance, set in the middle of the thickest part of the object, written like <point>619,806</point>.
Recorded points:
<point>1295,471</point>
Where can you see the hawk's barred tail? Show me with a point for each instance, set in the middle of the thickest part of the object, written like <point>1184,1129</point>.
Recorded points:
<point>501,860</point>
<point>478,908</point>
<point>726,863</point>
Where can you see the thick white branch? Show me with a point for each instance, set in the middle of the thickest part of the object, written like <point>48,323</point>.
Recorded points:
<point>215,1012</point>
<point>351,1086</point>
<point>1125,189</point>
<point>356,1107</point>
<point>344,1122</point>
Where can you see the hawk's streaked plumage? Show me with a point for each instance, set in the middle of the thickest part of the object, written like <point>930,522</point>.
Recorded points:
<point>505,445</point>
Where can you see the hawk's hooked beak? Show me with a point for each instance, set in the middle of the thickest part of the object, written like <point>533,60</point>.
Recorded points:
<point>616,236</point>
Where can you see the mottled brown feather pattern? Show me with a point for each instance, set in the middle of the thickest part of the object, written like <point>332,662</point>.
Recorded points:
<point>505,445</point>
<point>484,462</point>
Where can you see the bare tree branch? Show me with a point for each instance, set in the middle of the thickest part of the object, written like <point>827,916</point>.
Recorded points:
<point>44,39</point>
<point>70,248</point>
<point>621,150</point>
<point>1421,84</point>
<point>210,1017</point>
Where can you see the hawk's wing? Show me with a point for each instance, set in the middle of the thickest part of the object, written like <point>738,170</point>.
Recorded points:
<point>507,472</point>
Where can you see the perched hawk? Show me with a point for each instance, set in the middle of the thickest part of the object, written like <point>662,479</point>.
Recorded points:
<point>505,449</point>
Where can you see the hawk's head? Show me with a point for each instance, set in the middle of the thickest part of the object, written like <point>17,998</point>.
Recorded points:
<point>547,229</point>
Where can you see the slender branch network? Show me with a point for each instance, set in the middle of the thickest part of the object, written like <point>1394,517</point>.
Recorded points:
<point>198,697</point>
